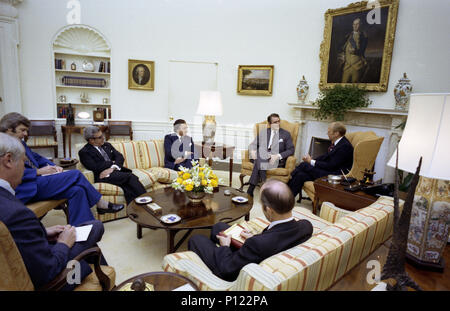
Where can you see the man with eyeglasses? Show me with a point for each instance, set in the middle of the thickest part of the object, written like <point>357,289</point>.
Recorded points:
<point>106,163</point>
<point>43,180</point>
<point>269,150</point>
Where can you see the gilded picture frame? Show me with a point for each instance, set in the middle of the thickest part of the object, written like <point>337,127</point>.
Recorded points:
<point>357,45</point>
<point>255,80</point>
<point>141,75</point>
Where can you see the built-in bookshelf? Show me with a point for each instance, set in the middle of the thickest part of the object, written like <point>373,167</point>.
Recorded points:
<point>82,71</point>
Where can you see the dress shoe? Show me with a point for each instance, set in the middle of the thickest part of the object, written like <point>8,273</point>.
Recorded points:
<point>112,208</point>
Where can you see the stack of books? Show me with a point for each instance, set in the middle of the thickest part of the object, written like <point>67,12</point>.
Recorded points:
<point>104,67</point>
<point>81,81</point>
<point>60,64</point>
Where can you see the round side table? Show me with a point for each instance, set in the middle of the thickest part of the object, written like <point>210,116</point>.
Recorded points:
<point>161,281</point>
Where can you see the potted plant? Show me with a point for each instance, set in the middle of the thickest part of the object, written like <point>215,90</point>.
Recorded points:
<point>196,181</point>
<point>337,101</point>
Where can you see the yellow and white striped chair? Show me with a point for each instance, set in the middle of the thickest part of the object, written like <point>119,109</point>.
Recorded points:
<point>339,242</point>
<point>145,159</point>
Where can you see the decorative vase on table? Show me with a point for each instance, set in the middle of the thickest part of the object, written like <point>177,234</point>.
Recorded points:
<point>302,90</point>
<point>196,182</point>
<point>402,91</point>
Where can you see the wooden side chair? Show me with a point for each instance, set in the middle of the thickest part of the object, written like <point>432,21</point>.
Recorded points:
<point>41,208</point>
<point>282,173</point>
<point>365,150</point>
<point>42,134</point>
<point>15,277</point>
<point>119,128</point>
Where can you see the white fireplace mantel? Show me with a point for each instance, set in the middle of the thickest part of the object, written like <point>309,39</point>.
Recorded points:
<point>384,120</point>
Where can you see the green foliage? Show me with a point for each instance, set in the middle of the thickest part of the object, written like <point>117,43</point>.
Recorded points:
<point>337,101</point>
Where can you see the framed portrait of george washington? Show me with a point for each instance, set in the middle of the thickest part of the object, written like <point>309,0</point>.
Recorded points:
<point>141,75</point>
<point>255,80</point>
<point>357,45</point>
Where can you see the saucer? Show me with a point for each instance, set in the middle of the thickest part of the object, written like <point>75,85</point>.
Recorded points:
<point>143,200</point>
<point>170,218</point>
<point>239,199</point>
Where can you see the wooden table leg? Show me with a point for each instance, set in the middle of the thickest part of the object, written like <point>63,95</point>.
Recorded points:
<point>139,231</point>
<point>70,144</point>
<point>64,141</point>
<point>170,240</point>
<point>315,203</point>
<point>231,171</point>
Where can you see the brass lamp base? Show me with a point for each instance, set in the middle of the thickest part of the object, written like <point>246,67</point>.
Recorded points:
<point>209,130</point>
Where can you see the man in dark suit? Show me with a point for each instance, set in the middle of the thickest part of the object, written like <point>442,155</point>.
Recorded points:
<point>45,251</point>
<point>338,158</point>
<point>107,164</point>
<point>178,147</point>
<point>269,150</point>
<point>43,180</point>
<point>283,232</point>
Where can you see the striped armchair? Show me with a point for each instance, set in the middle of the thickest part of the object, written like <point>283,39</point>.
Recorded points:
<point>145,159</point>
<point>340,241</point>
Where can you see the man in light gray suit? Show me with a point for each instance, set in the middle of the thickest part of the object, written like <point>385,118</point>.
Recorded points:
<point>269,150</point>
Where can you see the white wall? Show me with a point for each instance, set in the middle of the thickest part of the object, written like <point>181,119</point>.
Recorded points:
<point>284,33</point>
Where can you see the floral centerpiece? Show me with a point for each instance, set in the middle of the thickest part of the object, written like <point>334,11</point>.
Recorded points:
<point>196,181</point>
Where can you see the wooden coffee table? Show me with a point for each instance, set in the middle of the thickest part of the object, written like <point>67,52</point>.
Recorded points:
<point>161,281</point>
<point>216,207</point>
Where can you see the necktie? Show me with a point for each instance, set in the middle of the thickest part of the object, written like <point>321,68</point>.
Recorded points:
<point>330,148</point>
<point>104,154</point>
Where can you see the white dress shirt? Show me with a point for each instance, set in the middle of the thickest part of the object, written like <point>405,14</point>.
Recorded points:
<point>277,222</point>
<point>6,185</point>
<point>272,134</point>
<point>112,166</point>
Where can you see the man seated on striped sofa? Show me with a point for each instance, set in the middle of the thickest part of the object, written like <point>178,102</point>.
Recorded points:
<point>282,233</point>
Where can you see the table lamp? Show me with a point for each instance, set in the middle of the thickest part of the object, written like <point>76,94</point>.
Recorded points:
<point>210,105</point>
<point>427,135</point>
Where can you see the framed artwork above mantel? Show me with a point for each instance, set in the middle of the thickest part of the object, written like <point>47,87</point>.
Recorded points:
<point>357,45</point>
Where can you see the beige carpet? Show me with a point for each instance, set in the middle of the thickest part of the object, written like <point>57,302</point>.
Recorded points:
<point>130,256</point>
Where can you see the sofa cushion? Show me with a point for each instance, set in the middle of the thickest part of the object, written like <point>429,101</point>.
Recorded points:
<point>108,189</point>
<point>304,213</point>
<point>130,152</point>
<point>146,177</point>
<point>151,154</point>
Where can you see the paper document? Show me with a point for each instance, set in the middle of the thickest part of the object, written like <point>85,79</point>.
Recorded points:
<point>184,288</point>
<point>83,233</point>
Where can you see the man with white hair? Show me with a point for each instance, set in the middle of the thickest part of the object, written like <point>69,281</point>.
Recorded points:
<point>45,251</point>
<point>43,180</point>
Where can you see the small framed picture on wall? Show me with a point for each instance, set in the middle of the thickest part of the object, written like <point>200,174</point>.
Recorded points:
<point>255,80</point>
<point>141,75</point>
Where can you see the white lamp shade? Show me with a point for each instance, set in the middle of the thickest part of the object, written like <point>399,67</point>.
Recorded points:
<point>426,134</point>
<point>83,115</point>
<point>210,103</point>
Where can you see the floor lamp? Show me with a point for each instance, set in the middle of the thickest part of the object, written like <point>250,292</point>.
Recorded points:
<point>427,135</point>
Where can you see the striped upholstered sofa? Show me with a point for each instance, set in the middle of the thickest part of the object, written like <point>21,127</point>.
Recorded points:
<point>145,159</point>
<point>340,241</point>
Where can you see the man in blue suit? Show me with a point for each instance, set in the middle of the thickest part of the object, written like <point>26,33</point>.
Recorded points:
<point>45,251</point>
<point>178,147</point>
<point>43,180</point>
<point>338,158</point>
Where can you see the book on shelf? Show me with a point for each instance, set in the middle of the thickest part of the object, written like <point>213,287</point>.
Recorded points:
<point>104,67</point>
<point>84,82</point>
<point>60,64</point>
<point>235,233</point>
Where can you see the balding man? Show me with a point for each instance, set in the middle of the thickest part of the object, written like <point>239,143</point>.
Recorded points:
<point>282,233</point>
<point>338,158</point>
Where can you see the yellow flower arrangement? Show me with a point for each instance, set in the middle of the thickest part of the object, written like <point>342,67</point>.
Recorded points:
<point>196,179</point>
